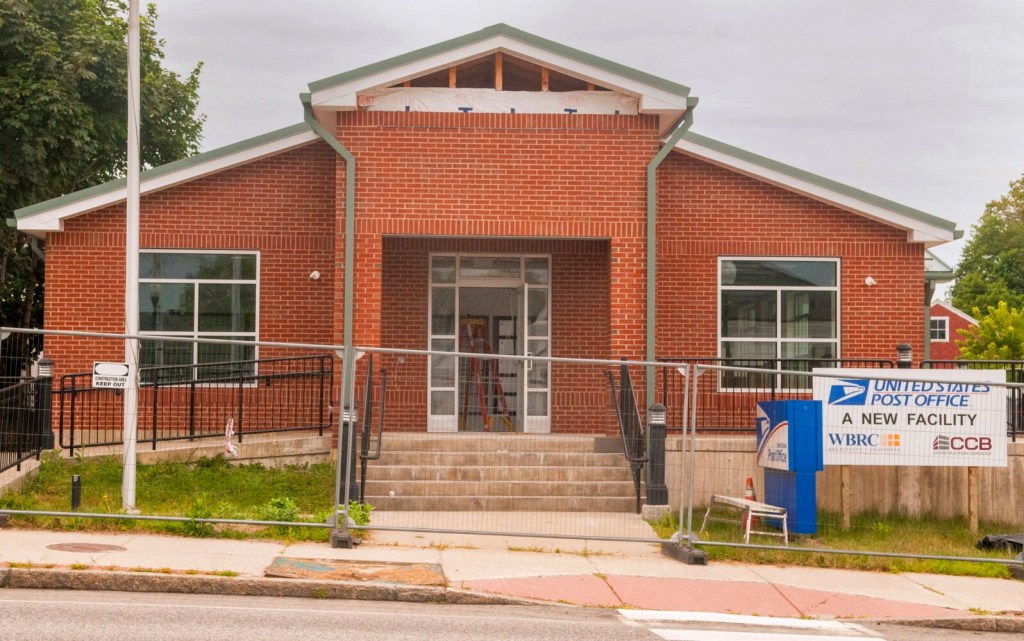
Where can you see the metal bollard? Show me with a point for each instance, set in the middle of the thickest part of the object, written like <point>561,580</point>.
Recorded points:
<point>76,492</point>
<point>904,356</point>
<point>657,492</point>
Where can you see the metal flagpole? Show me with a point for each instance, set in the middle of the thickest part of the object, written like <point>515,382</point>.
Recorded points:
<point>131,286</point>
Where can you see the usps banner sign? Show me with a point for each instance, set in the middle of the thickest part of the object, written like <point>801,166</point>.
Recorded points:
<point>905,417</point>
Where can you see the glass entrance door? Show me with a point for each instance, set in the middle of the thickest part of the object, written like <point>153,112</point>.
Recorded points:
<point>482,306</point>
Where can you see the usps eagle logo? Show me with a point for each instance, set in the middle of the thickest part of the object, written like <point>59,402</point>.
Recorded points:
<point>848,392</point>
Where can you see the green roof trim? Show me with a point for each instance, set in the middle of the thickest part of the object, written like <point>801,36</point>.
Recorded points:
<point>509,32</point>
<point>156,172</point>
<point>820,181</point>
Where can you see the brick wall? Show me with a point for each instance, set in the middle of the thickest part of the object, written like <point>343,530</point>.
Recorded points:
<point>706,212</point>
<point>500,175</point>
<point>282,205</point>
<point>519,183</point>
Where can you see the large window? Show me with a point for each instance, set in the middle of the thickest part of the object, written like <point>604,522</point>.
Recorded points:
<point>198,295</point>
<point>939,329</point>
<point>777,314</point>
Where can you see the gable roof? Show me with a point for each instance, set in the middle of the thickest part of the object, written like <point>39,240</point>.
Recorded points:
<point>656,95</point>
<point>49,215</point>
<point>955,311</point>
<point>921,227</point>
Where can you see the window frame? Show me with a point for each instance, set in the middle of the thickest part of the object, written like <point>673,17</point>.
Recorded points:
<point>778,339</point>
<point>932,329</point>
<point>196,333</point>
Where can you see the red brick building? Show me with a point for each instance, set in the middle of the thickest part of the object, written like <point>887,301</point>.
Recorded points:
<point>504,187</point>
<point>945,324</point>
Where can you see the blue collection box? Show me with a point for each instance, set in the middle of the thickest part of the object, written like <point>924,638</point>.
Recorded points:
<point>789,448</point>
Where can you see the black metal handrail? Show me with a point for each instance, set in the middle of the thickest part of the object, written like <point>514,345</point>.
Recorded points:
<point>631,428</point>
<point>196,401</point>
<point>366,453</point>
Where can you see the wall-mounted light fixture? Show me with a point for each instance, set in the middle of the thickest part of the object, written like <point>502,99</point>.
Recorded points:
<point>869,281</point>
<point>314,275</point>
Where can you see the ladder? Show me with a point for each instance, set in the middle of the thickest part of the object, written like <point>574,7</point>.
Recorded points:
<point>483,376</point>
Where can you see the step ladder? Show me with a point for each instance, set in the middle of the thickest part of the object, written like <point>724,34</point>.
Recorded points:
<point>483,376</point>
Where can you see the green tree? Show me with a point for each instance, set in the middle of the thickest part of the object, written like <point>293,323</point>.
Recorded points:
<point>63,120</point>
<point>999,335</point>
<point>992,266</point>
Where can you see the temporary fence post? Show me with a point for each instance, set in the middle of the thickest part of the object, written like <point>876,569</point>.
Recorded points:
<point>675,549</point>
<point>241,402</point>
<point>341,537</point>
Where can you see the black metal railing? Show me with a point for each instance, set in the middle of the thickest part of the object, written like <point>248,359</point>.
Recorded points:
<point>24,421</point>
<point>631,428</point>
<point>196,401</point>
<point>727,400</point>
<point>1014,395</point>
<point>370,445</point>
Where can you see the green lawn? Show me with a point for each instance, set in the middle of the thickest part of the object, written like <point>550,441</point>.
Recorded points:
<point>868,532</point>
<point>207,488</point>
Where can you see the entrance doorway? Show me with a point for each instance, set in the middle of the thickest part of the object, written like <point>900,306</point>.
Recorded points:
<point>483,306</point>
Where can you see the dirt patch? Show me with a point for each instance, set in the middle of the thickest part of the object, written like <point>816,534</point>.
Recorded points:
<point>375,571</point>
<point>85,547</point>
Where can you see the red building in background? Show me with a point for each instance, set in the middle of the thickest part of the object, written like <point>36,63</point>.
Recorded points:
<point>945,323</point>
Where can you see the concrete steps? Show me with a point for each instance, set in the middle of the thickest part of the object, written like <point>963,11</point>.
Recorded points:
<point>500,472</point>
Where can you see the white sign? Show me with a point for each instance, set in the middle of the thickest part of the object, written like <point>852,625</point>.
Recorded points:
<point>111,375</point>
<point>907,417</point>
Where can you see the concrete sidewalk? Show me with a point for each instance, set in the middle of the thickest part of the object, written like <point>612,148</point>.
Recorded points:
<point>499,569</point>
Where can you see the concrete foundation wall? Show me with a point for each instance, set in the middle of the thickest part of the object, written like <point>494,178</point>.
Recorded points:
<point>723,464</point>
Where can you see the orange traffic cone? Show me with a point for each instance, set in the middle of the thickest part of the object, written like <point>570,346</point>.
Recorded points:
<point>750,495</point>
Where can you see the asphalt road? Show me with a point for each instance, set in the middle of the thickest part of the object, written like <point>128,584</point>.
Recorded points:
<point>41,615</point>
<point>45,615</point>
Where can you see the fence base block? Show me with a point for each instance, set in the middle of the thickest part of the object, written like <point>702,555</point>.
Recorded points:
<point>343,538</point>
<point>655,512</point>
<point>1017,571</point>
<point>4,519</point>
<point>685,554</point>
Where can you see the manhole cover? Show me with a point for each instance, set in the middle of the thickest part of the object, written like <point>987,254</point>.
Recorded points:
<point>85,547</point>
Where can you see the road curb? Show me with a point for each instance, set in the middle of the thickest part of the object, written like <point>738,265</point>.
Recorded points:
<point>121,581</point>
<point>980,623</point>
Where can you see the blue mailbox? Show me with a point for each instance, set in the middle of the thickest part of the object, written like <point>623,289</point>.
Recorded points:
<point>789,450</point>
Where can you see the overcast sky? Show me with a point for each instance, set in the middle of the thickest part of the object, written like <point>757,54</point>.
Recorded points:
<point>920,101</point>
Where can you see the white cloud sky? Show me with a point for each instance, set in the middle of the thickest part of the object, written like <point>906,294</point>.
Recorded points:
<point>914,100</point>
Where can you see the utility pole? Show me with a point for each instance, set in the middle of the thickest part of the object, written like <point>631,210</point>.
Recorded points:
<point>131,281</point>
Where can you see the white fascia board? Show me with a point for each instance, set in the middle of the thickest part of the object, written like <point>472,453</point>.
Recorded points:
<point>53,219</point>
<point>917,231</point>
<point>344,96</point>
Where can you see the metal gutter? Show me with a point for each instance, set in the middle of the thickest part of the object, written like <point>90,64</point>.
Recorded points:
<point>652,251</point>
<point>349,354</point>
